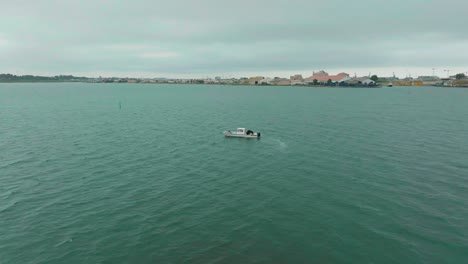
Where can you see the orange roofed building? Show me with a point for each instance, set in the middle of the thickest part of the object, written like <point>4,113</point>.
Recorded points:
<point>323,77</point>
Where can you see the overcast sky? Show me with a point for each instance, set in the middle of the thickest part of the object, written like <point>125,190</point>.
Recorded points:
<point>153,38</point>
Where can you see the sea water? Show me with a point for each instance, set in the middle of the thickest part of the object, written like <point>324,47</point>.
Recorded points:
<point>134,173</point>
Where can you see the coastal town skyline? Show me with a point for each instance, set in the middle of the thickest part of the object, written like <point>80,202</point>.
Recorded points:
<point>401,73</point>
<point>318,78</point>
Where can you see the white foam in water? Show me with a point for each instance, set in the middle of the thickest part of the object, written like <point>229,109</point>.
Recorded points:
<point>281,144</point>
<point>64,242</point>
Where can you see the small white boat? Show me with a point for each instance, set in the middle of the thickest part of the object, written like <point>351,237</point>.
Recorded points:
<point>243,133</point>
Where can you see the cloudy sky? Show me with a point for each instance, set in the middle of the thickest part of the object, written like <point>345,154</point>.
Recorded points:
<point>154,38</point>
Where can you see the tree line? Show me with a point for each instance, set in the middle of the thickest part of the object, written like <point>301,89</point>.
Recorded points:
<point>7,77</point>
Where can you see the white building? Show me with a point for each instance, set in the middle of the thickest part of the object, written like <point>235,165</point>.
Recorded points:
<point>266,80</point>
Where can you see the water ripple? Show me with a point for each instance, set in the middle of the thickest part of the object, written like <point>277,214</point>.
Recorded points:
<point>339,176</point>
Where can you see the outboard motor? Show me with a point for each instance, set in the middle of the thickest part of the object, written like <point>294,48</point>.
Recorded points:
<point>258,134</point>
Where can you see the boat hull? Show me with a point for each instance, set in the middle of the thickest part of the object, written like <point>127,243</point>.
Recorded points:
<point>228,134</point>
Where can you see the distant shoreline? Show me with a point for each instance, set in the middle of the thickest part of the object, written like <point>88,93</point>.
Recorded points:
<point>219,84</point>
<point>317,80</point>
<point>225,84</point>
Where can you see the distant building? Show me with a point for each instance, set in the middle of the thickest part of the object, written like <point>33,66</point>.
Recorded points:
<point>408,82</point>
<point>365,81</point>
<point>320,73</point>
<point>323,77</point>
<point>428,78</point>
<point>460,83</point>
<point>388,79</point>
<point>280,81</point>
<point>266,80</point>
<point>359,82</point>
<point>296,78</point>
<point>254,80</point>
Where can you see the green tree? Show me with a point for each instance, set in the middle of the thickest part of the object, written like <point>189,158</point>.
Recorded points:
<point>460,76</point>
<point>374,78</point>
<point>329,81</point>
<point>315,82</point>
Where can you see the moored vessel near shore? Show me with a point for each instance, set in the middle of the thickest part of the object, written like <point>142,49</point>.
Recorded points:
<point>242,133</point>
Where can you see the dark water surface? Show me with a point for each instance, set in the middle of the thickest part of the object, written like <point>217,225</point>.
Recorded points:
<point>340,175</point>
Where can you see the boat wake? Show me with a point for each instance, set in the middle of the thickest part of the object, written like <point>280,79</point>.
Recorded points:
<point>281,144</point>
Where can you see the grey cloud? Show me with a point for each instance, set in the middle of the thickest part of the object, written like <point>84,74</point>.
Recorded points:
<point>209,36</point>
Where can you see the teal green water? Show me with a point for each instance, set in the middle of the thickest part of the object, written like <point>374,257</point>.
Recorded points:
<point>339,175</point>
